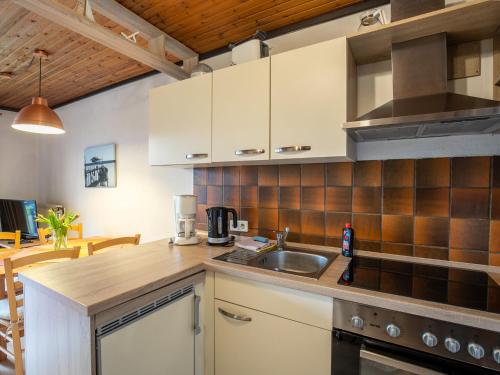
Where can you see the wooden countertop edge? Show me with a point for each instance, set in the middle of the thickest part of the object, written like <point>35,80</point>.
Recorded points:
<point>326,285</point>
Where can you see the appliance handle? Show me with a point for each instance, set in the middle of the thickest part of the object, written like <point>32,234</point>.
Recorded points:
<point>235,217</point>
<point>197,327</point>
<point>282,150</point>
<point>241,318</point>
<point>396,364</point>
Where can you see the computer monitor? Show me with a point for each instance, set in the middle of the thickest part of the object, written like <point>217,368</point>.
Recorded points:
<point>19,215</point>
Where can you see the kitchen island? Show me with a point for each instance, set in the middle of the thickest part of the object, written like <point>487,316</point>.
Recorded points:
<point>71,300</point>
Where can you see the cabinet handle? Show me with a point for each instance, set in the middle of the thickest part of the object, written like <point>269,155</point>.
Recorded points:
<point>241,318</point>
<point>251,151</point>
<point>196,156</point>
<point>197,327</point>
<point>281,150</point>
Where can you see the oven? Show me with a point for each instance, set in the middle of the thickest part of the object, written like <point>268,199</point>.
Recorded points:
<point>372,341</point>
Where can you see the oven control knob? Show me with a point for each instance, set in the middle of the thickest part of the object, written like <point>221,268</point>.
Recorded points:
<point>429,339</point>
<point>393,330</point>
<point>357,322</point>
<point>496,355</point>
<point>475,350</point>
<point>452,345</point>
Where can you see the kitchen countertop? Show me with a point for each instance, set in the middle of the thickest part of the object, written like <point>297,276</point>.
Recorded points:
<point>94,284</point>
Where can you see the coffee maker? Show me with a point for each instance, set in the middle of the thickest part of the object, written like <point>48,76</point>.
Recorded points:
<point>185,218</point>
<point>218,225</point>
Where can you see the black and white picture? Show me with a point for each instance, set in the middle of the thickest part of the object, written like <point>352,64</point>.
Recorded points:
<point>100,166</point>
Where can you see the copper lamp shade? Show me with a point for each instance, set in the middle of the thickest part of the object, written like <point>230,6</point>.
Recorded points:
<point>38,118</point>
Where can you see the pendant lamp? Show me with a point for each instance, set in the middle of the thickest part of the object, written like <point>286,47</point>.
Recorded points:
<point>38,117</point>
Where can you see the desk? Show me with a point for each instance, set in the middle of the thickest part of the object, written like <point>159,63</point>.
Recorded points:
<point>13,253</point>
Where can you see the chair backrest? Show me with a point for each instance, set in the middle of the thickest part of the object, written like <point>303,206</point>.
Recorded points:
<point>43,233</point>
<point>92,248</point>
<point>78,228</point>
<point>15,287</point>
<point>12,236</point>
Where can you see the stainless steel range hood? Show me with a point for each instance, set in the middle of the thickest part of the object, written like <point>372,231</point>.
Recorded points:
<point>422,105</point>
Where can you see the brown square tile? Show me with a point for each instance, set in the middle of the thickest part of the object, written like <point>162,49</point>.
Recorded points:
<point>335,222</point>
<point>313,198</point>
<point>249,175</point>
<point>398,173</point>
<point>433,231</point>
<point>231,176</point>
<point>313,175</point>
<point>290,219</point>
<point>494,260</point>
<point>214,196</point>
<point>431,252</point>
<point>268,175</point>
<point>470,203</point>
<point>398,201</point>
<point>339,174</point>
<point>338,199</point>
<point>200,176</point>
<point>399,249</point>
<point>312,239</point>
<point>433,172</point>
<point>293,237</point>
<point>231,196</point>
<point>368,173</point>
<point>201,226</point>
<point>366,227</point>
<point>433,202</point>
<point>495,203</point>
<point>470,234</point>
<point>250,214</point>
<point>397,228</point>
<point>249,195</point>
<point>268,218</point>
<point>271,234</point>
<point>333,241</point>
<point>471,172</point>
<point>469,256</point>
<point>214,176</point>
<point>289,175</point>
<point>495,236</point>
<point>313,223</point>
<point>268,197</point>
<point>366,199</point>
<point>367,245</point>
<point>496,172</point>
<point>201,214</point>
<point>290,197</point>
<point>201,194</point>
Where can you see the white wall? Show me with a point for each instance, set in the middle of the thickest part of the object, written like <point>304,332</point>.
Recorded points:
<point>142,201</point>
<point>18,161</point>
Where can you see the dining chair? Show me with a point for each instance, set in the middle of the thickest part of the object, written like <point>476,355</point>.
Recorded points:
<point>11,308</point>
<point>12,236</point>
<point>45,233</point>
<point>93,247</point>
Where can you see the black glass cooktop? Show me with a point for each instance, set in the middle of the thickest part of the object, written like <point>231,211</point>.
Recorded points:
<point>453,286</point>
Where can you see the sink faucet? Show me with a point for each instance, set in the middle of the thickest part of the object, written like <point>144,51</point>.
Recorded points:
<point>281,238</point>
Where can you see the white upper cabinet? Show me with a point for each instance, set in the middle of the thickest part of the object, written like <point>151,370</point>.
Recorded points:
<point>240,122</point>
<point>309,101</point>
<point>180,121</point>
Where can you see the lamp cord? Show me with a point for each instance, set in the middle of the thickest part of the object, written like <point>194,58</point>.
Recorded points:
<point>40,79</point>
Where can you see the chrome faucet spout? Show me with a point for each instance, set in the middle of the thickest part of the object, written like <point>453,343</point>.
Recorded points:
<point>281,238</point>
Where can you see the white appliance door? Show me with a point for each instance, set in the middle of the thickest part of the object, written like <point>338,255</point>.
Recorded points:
<point>160,343</point>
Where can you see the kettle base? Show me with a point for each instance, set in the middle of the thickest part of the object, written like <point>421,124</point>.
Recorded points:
<point>224,241</point>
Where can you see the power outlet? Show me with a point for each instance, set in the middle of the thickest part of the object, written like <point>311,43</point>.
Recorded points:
<point>242,226</point>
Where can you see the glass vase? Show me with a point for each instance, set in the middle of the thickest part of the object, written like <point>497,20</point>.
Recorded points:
<point>60,239</point>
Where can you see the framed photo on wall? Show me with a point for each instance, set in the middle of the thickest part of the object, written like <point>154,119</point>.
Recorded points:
<point>100,166</point>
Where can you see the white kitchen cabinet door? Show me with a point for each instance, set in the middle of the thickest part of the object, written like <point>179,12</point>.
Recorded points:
<point>240,122</point>
<point>180,121</point>
<point>309,101</point>
<point>268,344</point>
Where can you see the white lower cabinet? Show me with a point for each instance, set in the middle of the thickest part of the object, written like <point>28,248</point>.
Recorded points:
<point>266,344</point>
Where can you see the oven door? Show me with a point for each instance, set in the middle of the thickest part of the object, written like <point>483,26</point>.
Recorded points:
<point>359,355</point>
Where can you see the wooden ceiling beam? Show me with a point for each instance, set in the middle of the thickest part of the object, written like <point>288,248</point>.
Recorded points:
<point>65,17</point>
<point>131,21</point>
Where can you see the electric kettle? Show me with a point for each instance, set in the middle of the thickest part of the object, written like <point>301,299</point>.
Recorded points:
<point>218,225</point>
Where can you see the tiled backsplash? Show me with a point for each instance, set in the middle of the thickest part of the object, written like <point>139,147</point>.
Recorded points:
<point>437,208</point>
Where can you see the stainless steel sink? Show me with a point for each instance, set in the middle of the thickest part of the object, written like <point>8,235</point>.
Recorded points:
<point>297,262</point>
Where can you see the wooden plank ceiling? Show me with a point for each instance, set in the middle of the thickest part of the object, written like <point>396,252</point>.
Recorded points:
<point>78,66</point>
